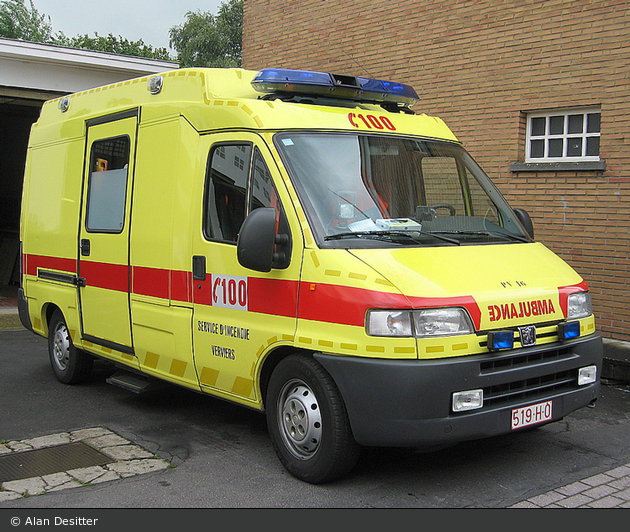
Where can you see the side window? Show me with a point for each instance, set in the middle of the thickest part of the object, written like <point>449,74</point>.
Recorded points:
<point>263,192</point>
<point>107,185</point>
<point>226,191</point>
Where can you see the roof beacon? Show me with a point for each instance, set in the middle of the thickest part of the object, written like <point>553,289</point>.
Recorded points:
<point>287,82</point>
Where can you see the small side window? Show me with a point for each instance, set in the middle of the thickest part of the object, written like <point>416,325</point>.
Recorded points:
<point>567,135</point>
<point>107,185</point>
<point>226,191</point>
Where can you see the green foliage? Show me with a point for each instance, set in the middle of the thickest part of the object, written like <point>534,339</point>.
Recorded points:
<point>208,41</point>
<point>202,40</point>
<point>111,44</point>
<point>19,21</point>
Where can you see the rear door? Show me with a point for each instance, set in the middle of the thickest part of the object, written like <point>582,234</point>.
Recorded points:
<point>104,234</point>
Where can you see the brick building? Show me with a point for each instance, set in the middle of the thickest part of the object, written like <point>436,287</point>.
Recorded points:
<point>538,92</point>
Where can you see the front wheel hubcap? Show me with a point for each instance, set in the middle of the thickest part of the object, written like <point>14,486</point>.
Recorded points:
<point>300,419</point>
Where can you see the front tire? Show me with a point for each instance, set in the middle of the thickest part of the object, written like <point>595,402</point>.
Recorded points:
<point>70,365</point>
<point>307,421</point>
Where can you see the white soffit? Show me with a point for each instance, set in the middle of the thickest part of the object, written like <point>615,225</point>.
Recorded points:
<point>46,67</point>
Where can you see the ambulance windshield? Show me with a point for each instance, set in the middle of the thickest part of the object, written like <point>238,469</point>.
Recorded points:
<point>368,190</point>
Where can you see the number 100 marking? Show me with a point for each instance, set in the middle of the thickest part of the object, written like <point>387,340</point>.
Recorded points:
<point>229,291</point>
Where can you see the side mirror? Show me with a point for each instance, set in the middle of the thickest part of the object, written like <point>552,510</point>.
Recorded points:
<point>258,246</point>
<point>526,221</point>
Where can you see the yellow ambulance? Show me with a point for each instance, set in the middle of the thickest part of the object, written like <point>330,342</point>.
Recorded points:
<point>303,244</point>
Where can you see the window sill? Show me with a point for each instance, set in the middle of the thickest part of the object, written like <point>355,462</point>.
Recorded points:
<point>590,166</point>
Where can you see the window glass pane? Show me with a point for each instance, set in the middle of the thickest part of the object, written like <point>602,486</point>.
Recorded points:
<point>555,147</point>
<point>537,148</point>
<point>576,123</point>
<point>367,191</point>
<point>592,146</point>
<point>556,125</point>
<point>107,185</point>
<point>538,126</point>
<point>593,122</point>
<point>263,193</point>
<point>442,182</point>
<point>574,147</point>
<point>226,185</point>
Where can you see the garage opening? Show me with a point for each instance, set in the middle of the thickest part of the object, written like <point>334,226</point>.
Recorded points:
<point>19,109</point>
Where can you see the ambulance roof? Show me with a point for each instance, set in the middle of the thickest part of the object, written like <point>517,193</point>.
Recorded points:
<point>270,99</point>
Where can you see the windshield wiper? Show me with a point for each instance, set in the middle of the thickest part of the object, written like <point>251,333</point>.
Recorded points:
<point>407,234</point>
<point>506,236</point>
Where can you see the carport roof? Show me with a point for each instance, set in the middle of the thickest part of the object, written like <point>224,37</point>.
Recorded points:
<point>50,68</point>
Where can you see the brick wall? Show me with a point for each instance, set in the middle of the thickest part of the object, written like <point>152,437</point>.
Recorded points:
<point>481,65</point>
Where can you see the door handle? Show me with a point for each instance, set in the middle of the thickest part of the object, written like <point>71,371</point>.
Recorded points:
<point>199,268</point>
<point>85,247</point>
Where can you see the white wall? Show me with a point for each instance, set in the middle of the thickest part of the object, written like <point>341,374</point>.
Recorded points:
<point>33,66</point>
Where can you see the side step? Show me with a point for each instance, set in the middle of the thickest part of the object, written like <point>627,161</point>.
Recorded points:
<point>134,383</point>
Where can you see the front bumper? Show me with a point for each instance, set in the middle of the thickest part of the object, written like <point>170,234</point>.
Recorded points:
<point>408,403</point>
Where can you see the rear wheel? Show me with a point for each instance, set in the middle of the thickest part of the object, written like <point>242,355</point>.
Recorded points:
<point>307,421</point>
<point>70,365</point>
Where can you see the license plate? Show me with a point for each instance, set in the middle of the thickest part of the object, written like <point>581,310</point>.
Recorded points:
<point>532,414</point>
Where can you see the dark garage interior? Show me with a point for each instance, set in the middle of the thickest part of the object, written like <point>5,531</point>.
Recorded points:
<point>17,114</point>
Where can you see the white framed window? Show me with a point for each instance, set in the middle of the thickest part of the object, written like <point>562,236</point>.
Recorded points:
<point>563,135</point>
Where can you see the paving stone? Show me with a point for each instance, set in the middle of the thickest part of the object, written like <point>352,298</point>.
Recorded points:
<point>125,452</point>
<point>18,446</point>
<point>4,449</point>
<point>86,475</point>
<point>27,486</point>
<point>107,440</point>
<point>9,496</point>
<point>619,472</point>
<point>525,504</point>
<point>106,477</point>
<point>56,479</point>
<point>597,480</point>
<point>599,491</point>
<point>625,494</point>
<point>48,441</point>
<point>84,434</point>
<point>137,467</point>
<point>572,489</point>
<point>575,501</point>
<point>606,502</point>
<point>546,499</point>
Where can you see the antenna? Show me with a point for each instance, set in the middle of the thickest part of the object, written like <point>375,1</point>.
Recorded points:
<point>358,64</point>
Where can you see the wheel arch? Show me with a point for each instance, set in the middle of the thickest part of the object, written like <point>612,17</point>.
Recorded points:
<point>269,364</point>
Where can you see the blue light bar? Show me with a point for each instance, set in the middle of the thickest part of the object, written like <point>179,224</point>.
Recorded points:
<point>500,340</point>
<point>304,82</point>
<point>569,330</point>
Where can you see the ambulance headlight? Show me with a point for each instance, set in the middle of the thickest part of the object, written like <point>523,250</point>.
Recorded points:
<point>441,322</point>
<point>579,305</point>
<point>425,323</point>
<point>389,323</point>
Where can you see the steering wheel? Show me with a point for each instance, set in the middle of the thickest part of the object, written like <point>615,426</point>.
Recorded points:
<point>448,206</point>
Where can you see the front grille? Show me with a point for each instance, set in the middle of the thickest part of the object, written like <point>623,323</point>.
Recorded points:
<point>519,376</point>
<point>512,392</point>
<point>513,362</point>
